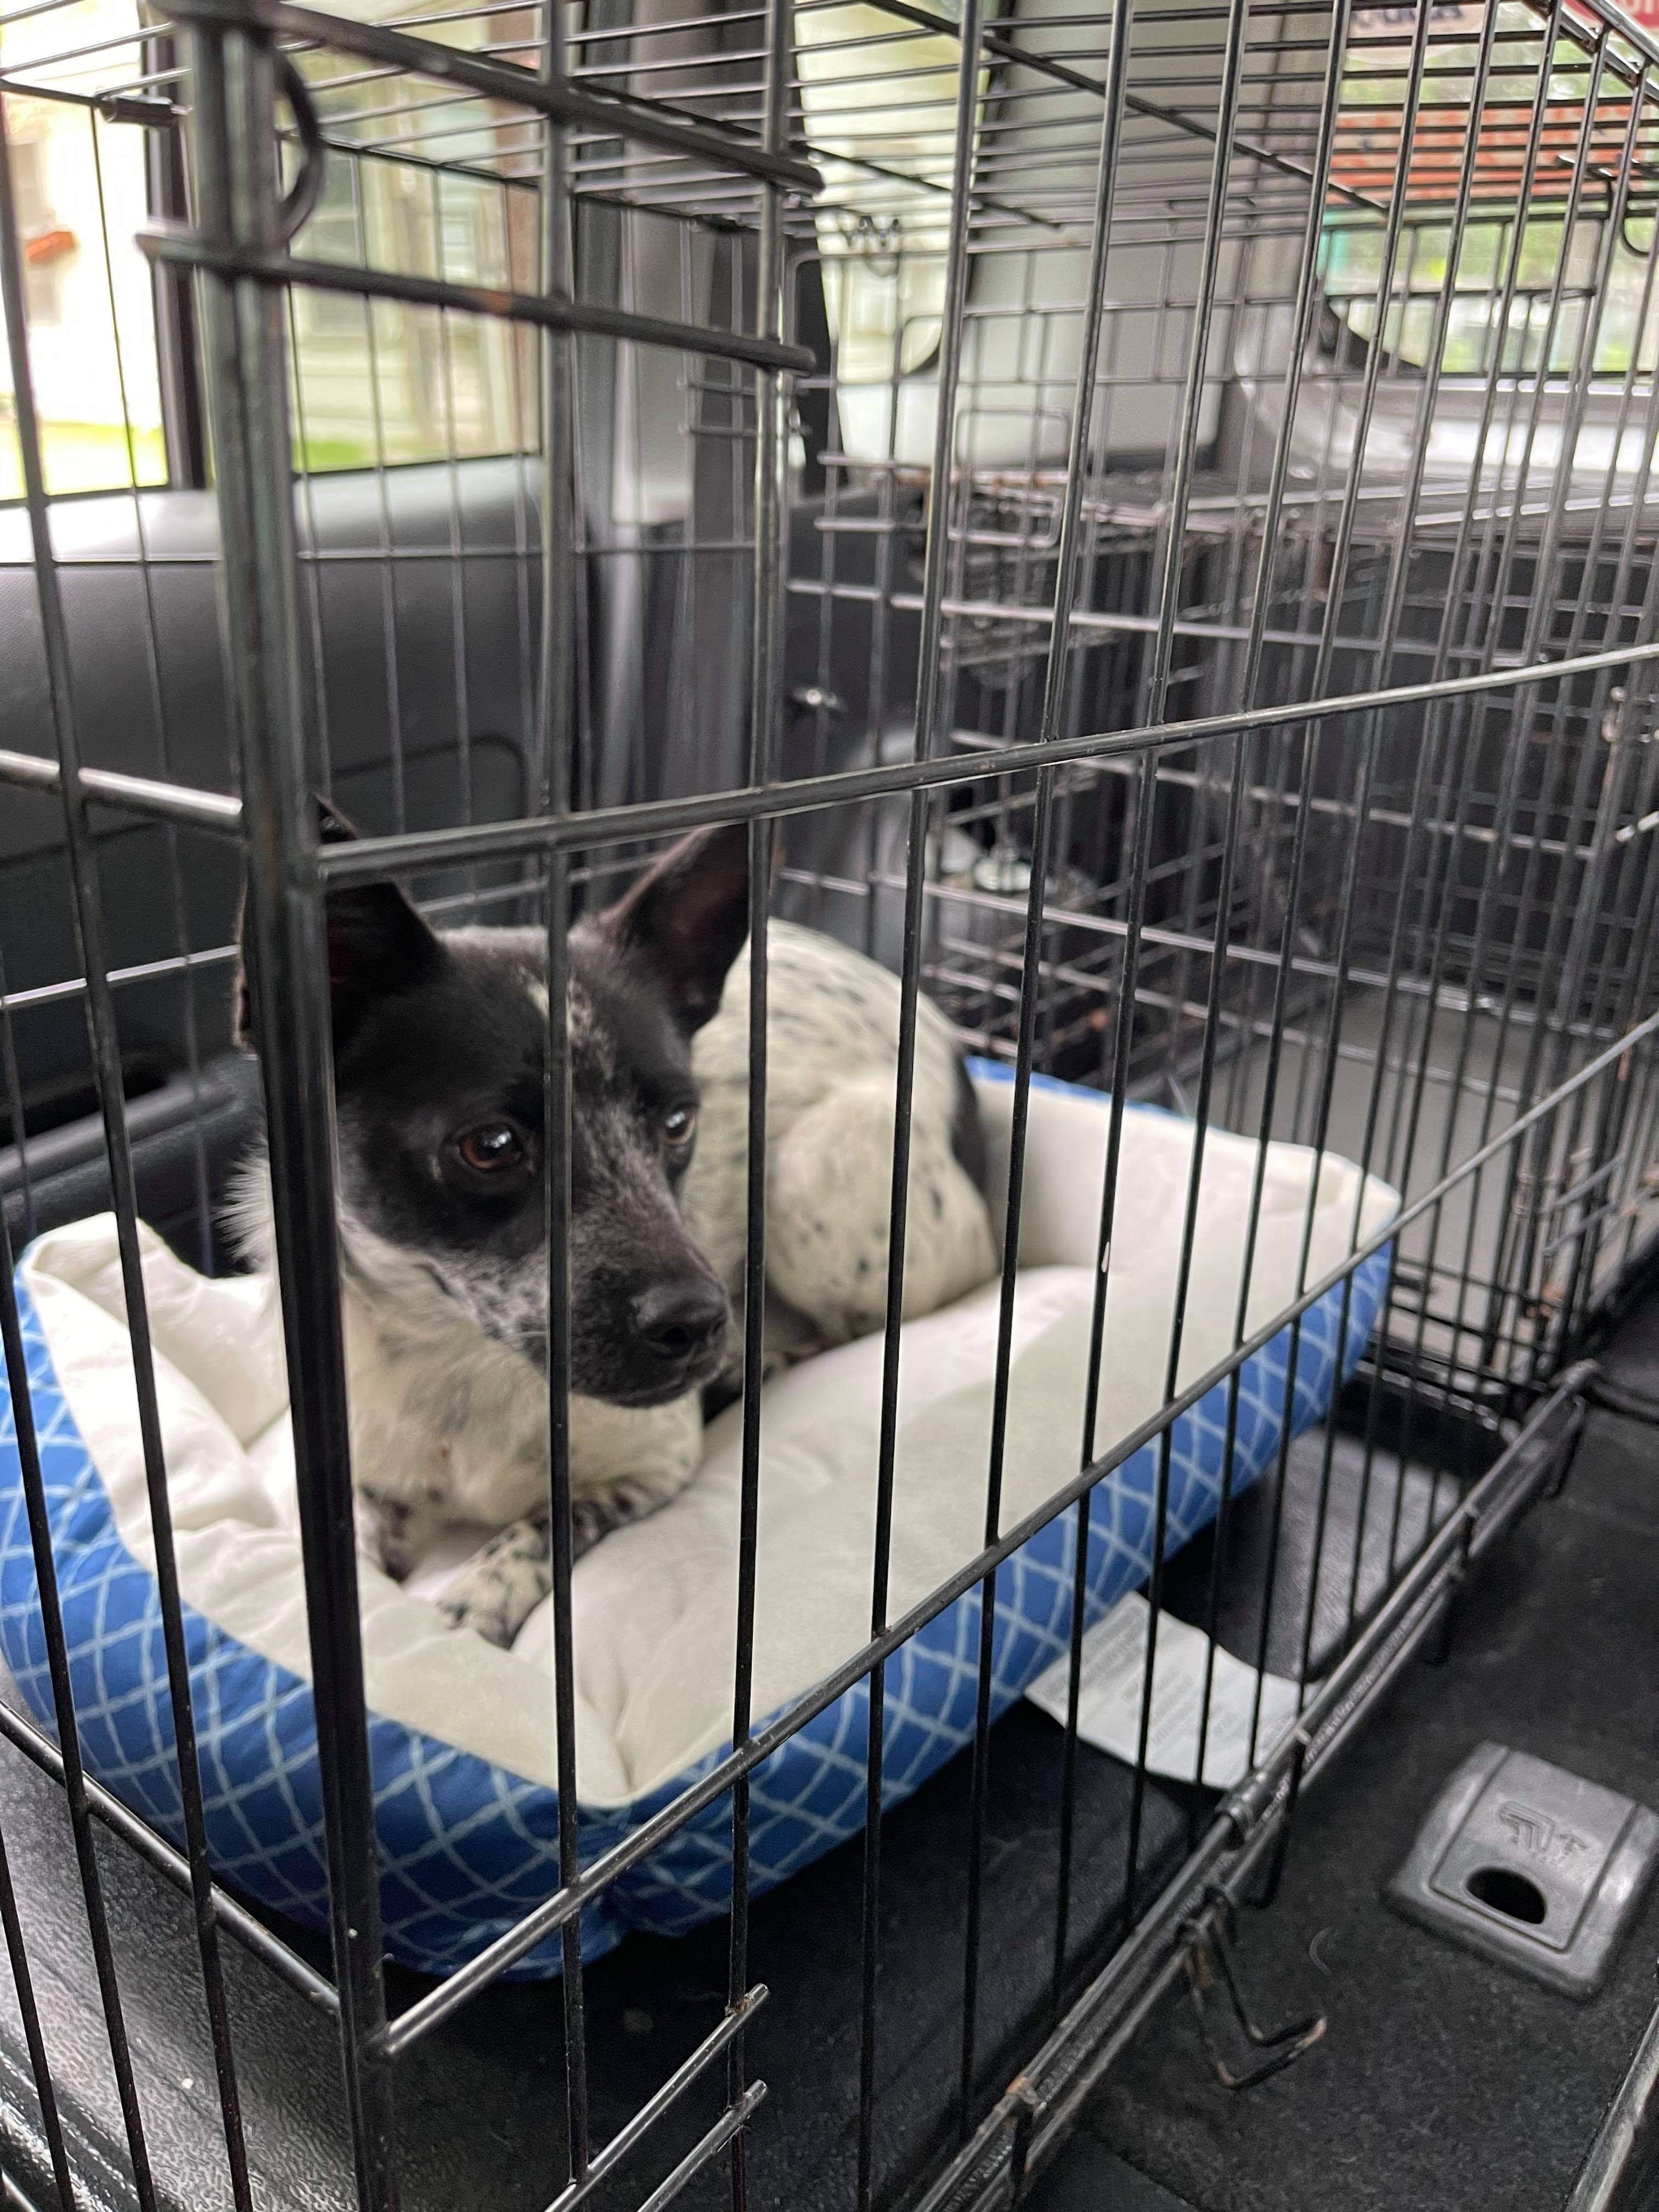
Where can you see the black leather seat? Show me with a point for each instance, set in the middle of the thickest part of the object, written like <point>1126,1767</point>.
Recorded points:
<point>185,1137</point>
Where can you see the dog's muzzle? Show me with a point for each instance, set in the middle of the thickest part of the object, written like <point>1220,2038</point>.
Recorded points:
<point>676,1336</point>
<point>662,1342</point>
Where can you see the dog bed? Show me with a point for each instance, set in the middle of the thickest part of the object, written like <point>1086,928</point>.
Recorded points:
<point>463,1736</point>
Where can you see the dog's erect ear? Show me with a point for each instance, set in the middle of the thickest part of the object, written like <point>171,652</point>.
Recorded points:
<point>688,915</point>
<point>377,945</point>
<point>377,942</point>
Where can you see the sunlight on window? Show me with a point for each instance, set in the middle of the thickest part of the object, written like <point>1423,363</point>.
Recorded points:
<point>379,382</point>
<point>880,104</point>
<point>1481,331</point>
<point>80,187</point>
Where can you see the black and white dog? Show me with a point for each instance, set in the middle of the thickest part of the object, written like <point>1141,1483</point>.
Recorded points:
<point>440,1044</point>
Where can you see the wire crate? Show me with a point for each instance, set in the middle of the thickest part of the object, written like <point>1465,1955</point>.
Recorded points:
<point>1148,513</point>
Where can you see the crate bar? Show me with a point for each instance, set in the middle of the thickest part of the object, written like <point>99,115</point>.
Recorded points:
<point>76,1790</point>
<point>1030,969</point>
<point>1503,811</point>
<point>661,2101</point>
<point>1251,1817</point>
<point>517,87</point>
<point>172,1865</point>
<point>155,150</point>
<point>1504,564</point>
<point>1307,300</point>
<point>1066,583</point>
<point>1577,952</point>
<point>1598,806</point>
<point>417,2019</point>
<point>134,794</point>
<point>887,1440</point>
<point>766,670</point>
<point>103,1042</point>
<point>270,267</point>
<point>1043,65</point>
<point>929,695</point>
<point>1371,747</point>
<point>11,1076</point>
<point>1179,495</point>
<point>1572,899</point>
<point>1617,1111</point>
<point>114,106</point>
<point>51,2126</point>
<point>236,179</point>
<point>1393,608</point>
<point>728,2129</point>
<point>455,570</point>
<point>369,858</point>
<point>1639,35</point>
<point>383,550</point>
<point>553,733</point>
<point>1124,623</point>
<point>884,648</point>
<point>305,496</point>
<point>1092,925</point>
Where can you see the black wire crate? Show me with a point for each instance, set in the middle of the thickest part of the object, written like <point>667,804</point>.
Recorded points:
<point>1146,519</point>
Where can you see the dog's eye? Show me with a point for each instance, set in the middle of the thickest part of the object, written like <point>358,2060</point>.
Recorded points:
<point>493,1148</point>
<point>678,1127</point>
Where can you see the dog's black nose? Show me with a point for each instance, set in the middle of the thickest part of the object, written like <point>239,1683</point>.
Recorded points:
<point>677,1320</point>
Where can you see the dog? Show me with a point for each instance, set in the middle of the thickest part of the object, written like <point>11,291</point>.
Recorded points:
<point>440,1044</point>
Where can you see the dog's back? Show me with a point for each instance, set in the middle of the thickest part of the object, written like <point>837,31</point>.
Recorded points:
<point>832,1024</point>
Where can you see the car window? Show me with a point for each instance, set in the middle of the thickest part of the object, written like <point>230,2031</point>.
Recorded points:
<point>1479,331</point>
<point>81,191</point>
<point>372,383</point>
<point>382,381</point>
<point>879,102</point>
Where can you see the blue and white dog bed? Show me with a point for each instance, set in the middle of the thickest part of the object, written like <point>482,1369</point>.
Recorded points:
<point>463,1736</point>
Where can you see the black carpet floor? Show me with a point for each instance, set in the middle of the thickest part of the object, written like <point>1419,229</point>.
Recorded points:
<point>1442,2081</point>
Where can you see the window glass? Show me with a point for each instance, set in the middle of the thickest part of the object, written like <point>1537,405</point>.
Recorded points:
<point>426,190</point>
<point>79,184</point>
<point>880,108</point>
<point>1367,159</point>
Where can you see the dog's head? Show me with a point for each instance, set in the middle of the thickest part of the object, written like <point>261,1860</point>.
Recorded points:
<point>439,1054</point>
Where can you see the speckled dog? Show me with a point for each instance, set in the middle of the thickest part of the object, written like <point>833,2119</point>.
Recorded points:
<point>439,1049</point>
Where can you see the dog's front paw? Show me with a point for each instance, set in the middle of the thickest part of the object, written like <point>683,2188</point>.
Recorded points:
<point>489,1617</point>
<point>501,1586</point>
<point>393,1533</point>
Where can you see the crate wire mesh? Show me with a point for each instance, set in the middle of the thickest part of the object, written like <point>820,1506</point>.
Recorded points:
<point>1151,508</point>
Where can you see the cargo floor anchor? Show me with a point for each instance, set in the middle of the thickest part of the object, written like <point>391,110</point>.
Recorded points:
<point>1531,1866</point>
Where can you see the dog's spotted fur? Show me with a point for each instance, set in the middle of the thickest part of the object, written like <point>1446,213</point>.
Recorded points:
<point>832,1056</point>
<point>444,1286</point>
